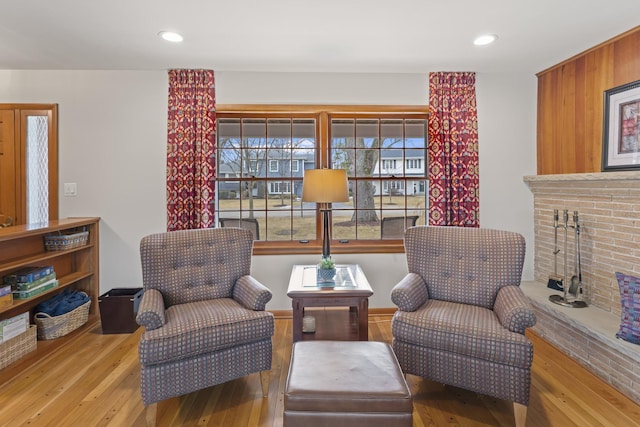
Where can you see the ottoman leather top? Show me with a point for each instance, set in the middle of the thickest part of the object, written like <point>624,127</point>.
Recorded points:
<point>346,376</point>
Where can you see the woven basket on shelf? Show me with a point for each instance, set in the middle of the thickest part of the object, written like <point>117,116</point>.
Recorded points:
<point>63,241</point>
<point>51,327</point>
<point>18,346</point>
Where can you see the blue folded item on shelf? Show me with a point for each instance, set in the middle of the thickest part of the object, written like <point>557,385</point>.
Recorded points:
<point>64,302</point>
<point>49,305</point>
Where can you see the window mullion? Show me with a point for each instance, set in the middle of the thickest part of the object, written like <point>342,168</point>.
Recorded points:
<point>324,156</point>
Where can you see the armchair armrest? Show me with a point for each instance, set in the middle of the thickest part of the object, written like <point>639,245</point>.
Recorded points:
<point>513,309</point>
<point>410,293</point>
<point>251,293</point>
<point>151,310</point>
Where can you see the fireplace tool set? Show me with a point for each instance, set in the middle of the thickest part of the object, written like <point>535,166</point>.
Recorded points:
<point>568,285</point>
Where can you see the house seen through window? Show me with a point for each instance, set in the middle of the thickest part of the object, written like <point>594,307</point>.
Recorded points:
<point>262,157</point>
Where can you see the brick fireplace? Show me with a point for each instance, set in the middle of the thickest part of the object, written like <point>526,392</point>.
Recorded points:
<point>608,206</point>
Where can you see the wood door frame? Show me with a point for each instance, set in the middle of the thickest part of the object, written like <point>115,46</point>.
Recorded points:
<point>21,112</point>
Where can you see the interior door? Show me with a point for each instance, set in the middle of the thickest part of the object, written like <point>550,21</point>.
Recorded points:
<point>28,163</point>
<point>8,169</point>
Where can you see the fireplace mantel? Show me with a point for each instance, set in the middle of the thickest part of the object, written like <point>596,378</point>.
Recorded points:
<point>587,177</point>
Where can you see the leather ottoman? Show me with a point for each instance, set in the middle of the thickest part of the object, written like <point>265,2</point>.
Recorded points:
<point>346,383</point>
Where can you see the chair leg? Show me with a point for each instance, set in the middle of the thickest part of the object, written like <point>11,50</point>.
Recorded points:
<point>264,381</point>
<point>150,415</point>
<point>520,414</point>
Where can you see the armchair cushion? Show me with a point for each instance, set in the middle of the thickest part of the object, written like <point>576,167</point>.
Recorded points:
<point>513,310</point>
<point>410,293</point>
<point>251,293</point>
<point>151,310</point>
<point>203,327</point>
<point>462,329</point>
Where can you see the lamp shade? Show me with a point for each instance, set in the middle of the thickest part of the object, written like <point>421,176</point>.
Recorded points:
<point>325,186</point>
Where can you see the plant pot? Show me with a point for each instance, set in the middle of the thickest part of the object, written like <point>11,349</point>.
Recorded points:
<point>326,275</point>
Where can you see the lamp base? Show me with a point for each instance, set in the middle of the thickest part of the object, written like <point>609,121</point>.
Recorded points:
<point>326,239</point>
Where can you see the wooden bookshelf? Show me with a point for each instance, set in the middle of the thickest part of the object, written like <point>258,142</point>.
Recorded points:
<point>76,268</point>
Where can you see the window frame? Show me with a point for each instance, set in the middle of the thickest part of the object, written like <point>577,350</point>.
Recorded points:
<point>323,115</point>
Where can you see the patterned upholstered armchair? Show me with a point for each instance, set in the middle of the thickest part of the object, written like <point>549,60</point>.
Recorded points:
<point>204,314</point>
<point>461,313</point>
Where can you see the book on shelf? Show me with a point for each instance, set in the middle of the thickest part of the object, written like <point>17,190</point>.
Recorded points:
<point>35,291</point>
<point>6,300</point>
<point>27,274</point>
<point>13,326</point>
<point>26,286</point>
<point>5,290</point>
<point>6,297</point>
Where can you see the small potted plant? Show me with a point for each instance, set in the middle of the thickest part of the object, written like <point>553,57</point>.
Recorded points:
<point>326,270</point>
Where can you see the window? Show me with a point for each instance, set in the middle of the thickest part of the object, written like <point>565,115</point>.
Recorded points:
<point>279,188</point>
<point>393,187</point>
<point>389,165</point>
<point>414,163</point>
<point>266,150</point>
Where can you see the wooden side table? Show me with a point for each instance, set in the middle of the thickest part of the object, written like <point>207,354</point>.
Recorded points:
<point>350,289</point>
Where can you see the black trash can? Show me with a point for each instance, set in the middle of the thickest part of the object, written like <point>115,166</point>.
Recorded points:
<point>118,309</point>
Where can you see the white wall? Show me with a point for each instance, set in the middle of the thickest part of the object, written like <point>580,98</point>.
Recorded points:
<point>507,150</point>
<point>112,139</point>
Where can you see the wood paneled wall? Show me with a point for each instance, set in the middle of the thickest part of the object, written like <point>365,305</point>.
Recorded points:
<point>570,104</point>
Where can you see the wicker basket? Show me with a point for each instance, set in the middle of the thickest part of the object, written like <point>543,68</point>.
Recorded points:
<point>65,240</point>
<point>13,349</point>
<point>51,327</point>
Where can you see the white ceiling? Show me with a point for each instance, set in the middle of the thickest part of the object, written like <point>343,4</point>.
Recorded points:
<point>385,36</point>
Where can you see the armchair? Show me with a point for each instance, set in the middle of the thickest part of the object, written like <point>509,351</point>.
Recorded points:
<point>204,314</point>
<point>461,313</point>
<point>393,227</point>
<point>246,223</point>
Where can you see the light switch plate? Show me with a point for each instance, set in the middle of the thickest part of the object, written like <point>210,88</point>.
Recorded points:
<point>70,189</point>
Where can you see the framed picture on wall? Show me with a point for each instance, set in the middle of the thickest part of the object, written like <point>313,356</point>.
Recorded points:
<point>621,130</point>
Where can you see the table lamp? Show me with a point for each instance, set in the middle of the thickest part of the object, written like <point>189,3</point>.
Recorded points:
<point>325,186</point>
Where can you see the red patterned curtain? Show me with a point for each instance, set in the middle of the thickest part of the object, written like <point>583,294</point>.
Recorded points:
<point>191,139</point>
<point>453,150</point>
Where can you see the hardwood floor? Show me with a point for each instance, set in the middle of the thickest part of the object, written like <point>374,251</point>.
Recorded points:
<point>93,381</point>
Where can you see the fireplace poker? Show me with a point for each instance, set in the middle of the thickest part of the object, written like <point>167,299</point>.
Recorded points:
<point>577,290</point>
<point>555,281</point>
<point>575,279</point>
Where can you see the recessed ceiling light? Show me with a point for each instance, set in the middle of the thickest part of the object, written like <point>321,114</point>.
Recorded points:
<point>170,36</point>
<point>485,39</point>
